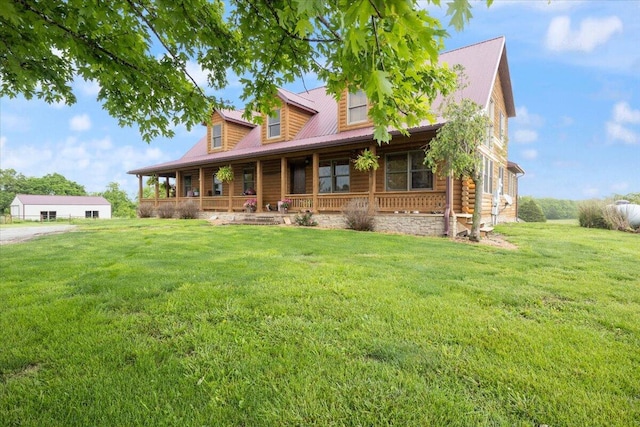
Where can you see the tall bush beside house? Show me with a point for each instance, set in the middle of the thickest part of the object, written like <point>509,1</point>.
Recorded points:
<point>188,210</point>
<point>145,210</point>
<point>530,212</point>
<point>166,210</point>
<point>357,215</point>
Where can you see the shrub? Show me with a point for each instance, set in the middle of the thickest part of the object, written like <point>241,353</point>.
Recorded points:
<point>357,215</point>
<point>591,214</point>
<point>166,210</point>
<point>529,211</point>
<point>616,219</point>
<point>305,220</point>
<point>188,210</point>
<point>145,210</point>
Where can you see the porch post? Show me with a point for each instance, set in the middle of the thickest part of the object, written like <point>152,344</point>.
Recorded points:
<point>259,194</point>
<point>230,187</point>
<point>156,189</point>
<point>372,183</point>
<point>201,187</point>
<point>139,188</point>
<point>283,177</point>
<point>316,181</point>
<point>178,185</point>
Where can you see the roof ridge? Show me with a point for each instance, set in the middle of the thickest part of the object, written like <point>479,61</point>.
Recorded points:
<point>473,44</point>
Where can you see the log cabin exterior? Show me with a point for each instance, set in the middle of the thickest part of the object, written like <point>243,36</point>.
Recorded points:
<point>305,150</point>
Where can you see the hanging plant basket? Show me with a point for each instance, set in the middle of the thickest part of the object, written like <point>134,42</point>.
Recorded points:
<point>366,161</point>
<point>225,174</point>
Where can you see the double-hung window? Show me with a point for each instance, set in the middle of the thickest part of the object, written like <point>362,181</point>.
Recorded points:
<point>487,175</point>
<point>492,117</point>
<point>273,124</point>
<point>334,176</point>
<point>407,172</point>
<point>217,186</point>
<point>356,107</point>
<point>249,181</point>
<point>216,136</point>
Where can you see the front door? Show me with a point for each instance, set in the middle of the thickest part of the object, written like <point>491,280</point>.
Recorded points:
<point>298,178</point>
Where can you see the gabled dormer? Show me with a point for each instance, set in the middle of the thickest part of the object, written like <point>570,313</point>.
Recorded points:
<point>226,129</point>
<point>286,121</point>
<point>353,111</point>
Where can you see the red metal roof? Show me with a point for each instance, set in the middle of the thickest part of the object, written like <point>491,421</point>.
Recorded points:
<point>481,61</point>
<point>34,199</point>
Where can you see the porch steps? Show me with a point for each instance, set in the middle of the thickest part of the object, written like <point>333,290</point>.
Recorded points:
<point>259,220</point>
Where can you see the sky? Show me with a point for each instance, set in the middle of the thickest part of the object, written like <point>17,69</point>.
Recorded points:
<point>575,74</point>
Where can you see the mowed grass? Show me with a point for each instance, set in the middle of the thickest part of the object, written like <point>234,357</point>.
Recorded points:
<point>161,322</point>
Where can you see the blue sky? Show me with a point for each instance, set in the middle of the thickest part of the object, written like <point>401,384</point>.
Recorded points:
<point>575,70</point>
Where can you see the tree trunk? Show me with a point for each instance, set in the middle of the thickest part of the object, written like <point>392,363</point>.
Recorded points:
<point>477,208</point>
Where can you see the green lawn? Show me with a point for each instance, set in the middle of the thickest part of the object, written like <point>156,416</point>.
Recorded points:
<point>162,322</point>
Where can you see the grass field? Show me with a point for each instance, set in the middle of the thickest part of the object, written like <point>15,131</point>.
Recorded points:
<point>162,322</point>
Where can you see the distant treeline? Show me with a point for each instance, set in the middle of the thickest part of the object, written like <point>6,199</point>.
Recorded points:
<point>568,209</point>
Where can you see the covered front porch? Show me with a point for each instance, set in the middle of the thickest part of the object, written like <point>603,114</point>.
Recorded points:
<point>316,182</point>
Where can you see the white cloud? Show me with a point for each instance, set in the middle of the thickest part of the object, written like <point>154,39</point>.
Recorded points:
<point>88,88</point>
<point>14,122</point>
<point>3,141</point>
<point>525,136</point>
<point>592,33</point>
<point>197,73</point>
<point>530,154</point>
<point>524,118</point>
<point>622,113</point>
<point>80,123</point>
<point>621,126</point>
<point>590,191</point>
<point>620,187</point>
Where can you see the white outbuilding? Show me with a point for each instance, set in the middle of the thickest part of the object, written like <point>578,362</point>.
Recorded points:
<point>49,208</point>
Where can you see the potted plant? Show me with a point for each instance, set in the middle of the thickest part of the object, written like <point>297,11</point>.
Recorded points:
<point>284,205</point>
<point>250,205</point>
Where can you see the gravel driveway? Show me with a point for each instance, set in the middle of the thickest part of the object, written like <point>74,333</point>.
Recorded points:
<point>20,234</point>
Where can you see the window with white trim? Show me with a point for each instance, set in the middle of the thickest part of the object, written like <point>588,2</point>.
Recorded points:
<point>334,176</point>
<point>273,124</point>
<point>356,107</point>
<point>249,181</point>
<point>492,117</point>
<point>407,172</point>
<point>217,186</point>
<point>487,175</point>
<point>216,136</point>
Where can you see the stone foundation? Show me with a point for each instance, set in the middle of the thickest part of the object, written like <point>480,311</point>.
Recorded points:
<point>415,224</point>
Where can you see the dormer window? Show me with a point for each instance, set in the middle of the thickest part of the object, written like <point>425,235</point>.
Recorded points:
<point>356,107</point>
<point>273,125</point>
<point>216,136</point>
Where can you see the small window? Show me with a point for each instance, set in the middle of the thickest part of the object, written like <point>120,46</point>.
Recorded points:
<point>273,125</point>
<point>91,214</point>
<point>356,107</point>
<point>334,176</point>
<point>216,136</point>
<point>47,215</point>
<point>217,186</point>
<point>407,171</point>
